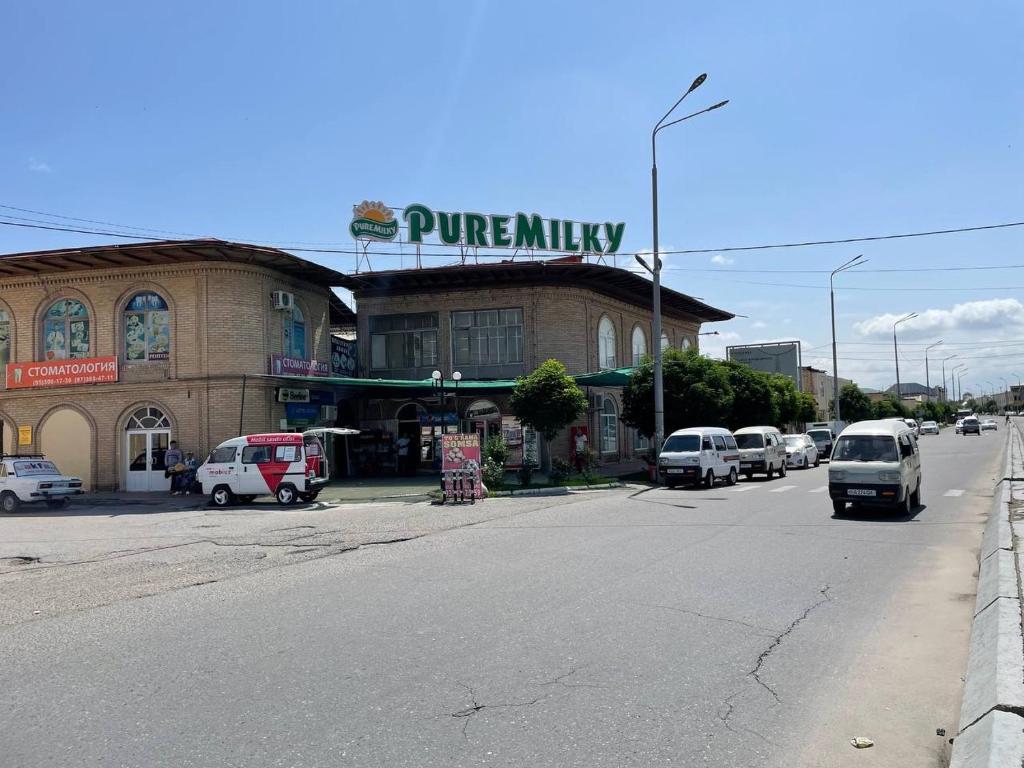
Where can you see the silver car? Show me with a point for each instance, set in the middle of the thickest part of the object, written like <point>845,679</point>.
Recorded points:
<point>801,452</point>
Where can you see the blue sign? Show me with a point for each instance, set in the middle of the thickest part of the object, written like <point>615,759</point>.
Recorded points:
<point>301,414</point>
<point>436,420</point>
<point>343,357</point>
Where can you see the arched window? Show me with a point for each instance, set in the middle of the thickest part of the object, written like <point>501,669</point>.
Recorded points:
<point>5,337</point>
<point>609,427</point>
<point>664,342</point>
<point>639,345</point>
<point>148,418</point>
<point>295,334</point>
<point>147,330</point>
<point>66,330</point>
<point>606,344</point>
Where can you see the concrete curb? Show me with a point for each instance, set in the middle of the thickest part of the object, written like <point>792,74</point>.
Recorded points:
<point>992,713</point>
<point>558,490</point>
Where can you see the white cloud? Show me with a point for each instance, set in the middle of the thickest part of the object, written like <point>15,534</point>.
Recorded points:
<point>759,324</point>
<point>720,259</point>
<point>987,315</point>
<point>38,166</point>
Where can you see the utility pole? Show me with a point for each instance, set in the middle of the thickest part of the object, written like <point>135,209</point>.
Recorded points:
<point>927,381</point>
<point>896,353</point>
<point>854,262</point>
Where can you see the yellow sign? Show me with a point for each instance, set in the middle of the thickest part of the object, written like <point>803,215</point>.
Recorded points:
<point>24,435</point>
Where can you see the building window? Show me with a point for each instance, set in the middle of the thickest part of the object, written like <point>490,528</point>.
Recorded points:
<point>147,333</point>
<point>664,342</point>
<point>640,442</point>
<point>639,345</point>
<point>148,418</point>
<point>686,343</point>
<point>66,330</point>
<point>606,343</point>
<point>295,334</point>
<point>5,338</point>
<point>403,341</point>
<point>488,337</point>
<point>609,427</point>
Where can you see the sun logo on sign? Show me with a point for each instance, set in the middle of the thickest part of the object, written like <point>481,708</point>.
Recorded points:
<point>372,220</point>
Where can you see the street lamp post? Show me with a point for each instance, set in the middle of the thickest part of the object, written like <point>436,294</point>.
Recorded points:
<point>960,384</point>
<point>655,269</point>
<point>1006,393</point>
<point>953,380</point>
<point>945,392</point>
<point>854,262</point>
<point>927,381</point>
<point>896,352</point>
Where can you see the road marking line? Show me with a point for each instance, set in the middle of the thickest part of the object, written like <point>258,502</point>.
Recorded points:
<point>742,488</point>
<point>954,492</point>
<point>819,490</point>
<point>783,489</point>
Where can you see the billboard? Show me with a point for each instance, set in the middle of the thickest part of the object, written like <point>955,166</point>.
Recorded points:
<point>778,357</point>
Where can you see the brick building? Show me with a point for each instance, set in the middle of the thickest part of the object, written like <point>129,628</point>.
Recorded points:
<point>169,329</point>
<point>499,321</point>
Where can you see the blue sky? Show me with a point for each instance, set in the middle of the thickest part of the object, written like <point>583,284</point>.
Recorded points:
<point>267,121</point>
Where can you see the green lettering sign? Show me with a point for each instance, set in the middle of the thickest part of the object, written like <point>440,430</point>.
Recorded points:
<point>530,232</point>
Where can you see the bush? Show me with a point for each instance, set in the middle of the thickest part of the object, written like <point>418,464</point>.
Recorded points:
<point>493,474</point>
<point>560,470</point>
<point>525,474</point>
<point>590,473</point>
<point>496,450</point>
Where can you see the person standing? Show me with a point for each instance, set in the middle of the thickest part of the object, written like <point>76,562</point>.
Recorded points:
<point>580,449</point>
<point>404,464</point>
<point>191,467</point>
<point>172,458</point>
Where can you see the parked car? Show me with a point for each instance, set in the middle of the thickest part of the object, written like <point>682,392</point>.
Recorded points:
<point>823,441</point>
<point>283,465</point>
<point>875,463</point>
<point>801,452</point>
<point>929,428</point>
<point>699,455</point>
<point>913,425</point>
<point>761,450</point>
<point>33,479</point>
<point>989,425</point>
<point>971,426</point>
<point>959,428</point>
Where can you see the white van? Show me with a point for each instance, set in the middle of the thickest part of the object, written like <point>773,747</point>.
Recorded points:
<point>876,463</point>
<point>699,455</point>
<point>762,449</point>
<point>286,465</point>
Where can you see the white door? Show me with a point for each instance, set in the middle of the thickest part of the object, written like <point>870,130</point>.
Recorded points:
<point>144,455</point>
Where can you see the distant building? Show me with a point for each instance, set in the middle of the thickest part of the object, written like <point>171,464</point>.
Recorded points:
<point>821,384</point>
<point>913,391</point>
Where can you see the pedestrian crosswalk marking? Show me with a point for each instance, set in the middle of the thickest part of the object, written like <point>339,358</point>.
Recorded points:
<point>819,490</point>
<point>954,492</point>
<point>742,488</point>
<point>783,488</point>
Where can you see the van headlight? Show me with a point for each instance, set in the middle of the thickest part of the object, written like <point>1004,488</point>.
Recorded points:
<point>889,477</point>
<point>757,455</point>
<point>837,475</point>
<point>693,460</point>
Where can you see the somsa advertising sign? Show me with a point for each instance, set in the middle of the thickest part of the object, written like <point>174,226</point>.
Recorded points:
<point>460,467</point>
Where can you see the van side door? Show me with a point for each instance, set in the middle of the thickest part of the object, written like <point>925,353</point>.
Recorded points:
<point>707,454</point>
<point>721,469</point>
<point>255,477</point>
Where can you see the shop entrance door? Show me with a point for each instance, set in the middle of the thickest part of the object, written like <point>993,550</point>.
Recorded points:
<point>146,441</point>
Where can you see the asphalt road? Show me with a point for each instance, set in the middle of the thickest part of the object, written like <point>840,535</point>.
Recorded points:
<point>725,627</point>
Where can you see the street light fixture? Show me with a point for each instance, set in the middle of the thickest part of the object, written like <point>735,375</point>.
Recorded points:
<point>945,392</point>
<point>953,381</point>
<point>854,262</point>
<point>927,381</point>
<point>896,352</point>
<point>960,385</point>
<point>655,268</point>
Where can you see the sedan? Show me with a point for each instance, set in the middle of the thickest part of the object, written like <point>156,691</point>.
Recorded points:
<point>929,428</point>
<point>801,451</point>
<point>989,425</point>
<point>959,426</point>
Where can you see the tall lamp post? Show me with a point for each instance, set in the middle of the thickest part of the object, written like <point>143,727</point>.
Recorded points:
<point>960,384</point>
<point>991,391</point>
<point>945,392</point>
<point>655,269</point>
<point>927,381</point>
<point>953,380</point>
<point>854,262</point>
<point>896,352</point>
<point>1006,394</point>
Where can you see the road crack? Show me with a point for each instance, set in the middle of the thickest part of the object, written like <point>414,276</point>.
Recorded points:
<point>710,617</point>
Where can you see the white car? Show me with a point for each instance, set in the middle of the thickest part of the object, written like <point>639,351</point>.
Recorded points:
<point>989,425</point>
<point>929,428</point>
<point>959,426</point>
<point>801,452</point>
<point>33,479</point>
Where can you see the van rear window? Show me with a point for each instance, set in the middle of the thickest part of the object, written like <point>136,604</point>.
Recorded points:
<point>750,441</point>
<point>682,443</point>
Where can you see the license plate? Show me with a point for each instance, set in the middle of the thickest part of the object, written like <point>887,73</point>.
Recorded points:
<point>675,471</point>
<point>745,464</point>
<point>860,492</point>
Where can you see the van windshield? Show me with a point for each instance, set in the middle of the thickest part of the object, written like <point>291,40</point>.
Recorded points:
<point>750,441</point>
<point>865,448</point>
<point>682,443</point>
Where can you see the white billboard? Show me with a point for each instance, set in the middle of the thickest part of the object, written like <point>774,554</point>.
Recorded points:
<point>779,357</point>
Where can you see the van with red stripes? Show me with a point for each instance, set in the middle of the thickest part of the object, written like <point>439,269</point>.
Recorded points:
<point>285,465</point>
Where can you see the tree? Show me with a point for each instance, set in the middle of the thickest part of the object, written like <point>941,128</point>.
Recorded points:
<point>888,407</point>
<point>785,398</point>
<point>697,393</point>
<point>753,397</point>
<point>807,407</point>
<point>854,405</point>
<point>548,400</point>
<point>991,406</point>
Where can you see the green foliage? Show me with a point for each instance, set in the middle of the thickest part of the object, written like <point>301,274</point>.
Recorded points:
<point>786,398</point>
<point>493,474</point>
<point>547,399</point>
<point>560,470</point>
<point>525,474</point>
<point>807,407</point>
<point>854,405</point>
<point>589,463</point>
<point>496,449</point>
<point>697,393</point>
<point>991,406</point>
<point>889,407</point>
<point>754,396</point>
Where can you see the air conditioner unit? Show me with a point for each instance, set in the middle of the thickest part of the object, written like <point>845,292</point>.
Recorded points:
<point>283,300</point>
<point>329,413</point>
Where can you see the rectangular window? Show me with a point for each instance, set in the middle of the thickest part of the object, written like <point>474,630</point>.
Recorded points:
<point>640,442</point>
<point>256,454</point>
<point>5,338</point>
<point>487,337</point>
<point>403,341</point>
<point>286,453</point>
<point>224,455</point>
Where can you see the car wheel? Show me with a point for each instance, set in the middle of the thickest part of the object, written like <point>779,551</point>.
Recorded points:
<point>782,469</point>
<point>308,497</point>
<point>904,507</point>
<point>222,496</point>
<point>838,507</point>
<point>286,495</point>
<point>709,479</point>
<point>817,461</point>
<point>9,503</point>
<point>771,471</point>
<point>915,497</point>
<point>733,479</point>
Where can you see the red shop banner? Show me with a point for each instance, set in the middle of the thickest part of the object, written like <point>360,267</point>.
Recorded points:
<point>62,373</point>
<point>462,452</point>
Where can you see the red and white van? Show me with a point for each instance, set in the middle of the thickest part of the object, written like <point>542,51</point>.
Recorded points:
<point>285,464</point>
